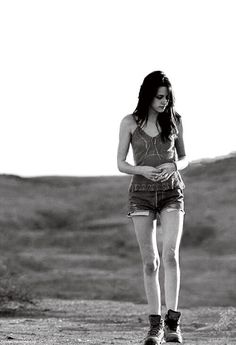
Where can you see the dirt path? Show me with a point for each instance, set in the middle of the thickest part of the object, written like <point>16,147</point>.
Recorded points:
<point>105,322</point>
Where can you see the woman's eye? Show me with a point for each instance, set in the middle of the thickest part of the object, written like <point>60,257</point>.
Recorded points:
<point>160,97</point>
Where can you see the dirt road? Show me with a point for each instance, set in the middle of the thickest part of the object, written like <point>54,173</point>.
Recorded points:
<point>105,322</point>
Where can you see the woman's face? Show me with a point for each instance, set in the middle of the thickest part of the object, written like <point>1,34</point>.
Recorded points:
<point>160,101</point>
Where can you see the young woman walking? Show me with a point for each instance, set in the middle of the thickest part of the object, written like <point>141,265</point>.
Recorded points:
<point>155,133</point>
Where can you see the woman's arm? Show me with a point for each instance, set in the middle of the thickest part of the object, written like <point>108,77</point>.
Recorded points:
<point>123,149</point>
<point>182,161</point>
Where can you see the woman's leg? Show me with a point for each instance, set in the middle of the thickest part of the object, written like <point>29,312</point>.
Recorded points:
<point>146,236</point>
<point>172,225</point>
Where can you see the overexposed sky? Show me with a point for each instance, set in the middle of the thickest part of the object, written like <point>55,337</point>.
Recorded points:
<point>71,70</point>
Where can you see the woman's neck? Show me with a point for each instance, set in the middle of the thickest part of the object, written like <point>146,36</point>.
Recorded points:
<point>152,116</point>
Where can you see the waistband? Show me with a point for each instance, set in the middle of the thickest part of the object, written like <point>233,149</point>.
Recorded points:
<point>141,183</point>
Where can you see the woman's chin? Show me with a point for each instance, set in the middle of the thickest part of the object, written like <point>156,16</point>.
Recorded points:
<point>160,110</point>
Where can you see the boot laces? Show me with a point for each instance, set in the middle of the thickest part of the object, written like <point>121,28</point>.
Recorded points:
<point>154,330</point>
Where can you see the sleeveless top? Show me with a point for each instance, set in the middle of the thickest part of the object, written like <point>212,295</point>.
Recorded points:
<point>152,151</point>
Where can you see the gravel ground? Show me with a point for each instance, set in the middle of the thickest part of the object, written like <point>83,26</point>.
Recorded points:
<point>53,321</point>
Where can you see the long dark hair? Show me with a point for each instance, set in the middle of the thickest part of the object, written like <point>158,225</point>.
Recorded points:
<point>169,118</point>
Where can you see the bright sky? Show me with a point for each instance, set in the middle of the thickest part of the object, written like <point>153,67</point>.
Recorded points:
<point>71,70</point>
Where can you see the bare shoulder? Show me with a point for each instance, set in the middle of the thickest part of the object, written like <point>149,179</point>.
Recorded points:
<point>129,123</point>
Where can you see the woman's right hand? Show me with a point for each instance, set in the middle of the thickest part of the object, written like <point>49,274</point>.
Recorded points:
<point>150,172</point>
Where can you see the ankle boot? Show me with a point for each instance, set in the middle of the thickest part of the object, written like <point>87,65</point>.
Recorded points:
<point>172,327</point>
<point>156,333</point>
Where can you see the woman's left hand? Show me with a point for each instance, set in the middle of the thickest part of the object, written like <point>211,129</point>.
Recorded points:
<point>165,172</point>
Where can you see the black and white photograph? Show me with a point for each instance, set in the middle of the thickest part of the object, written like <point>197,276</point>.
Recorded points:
<point>117,174</point>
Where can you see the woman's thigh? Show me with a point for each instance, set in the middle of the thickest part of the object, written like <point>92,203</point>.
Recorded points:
<point>146,237</point>
<point>172,228</point>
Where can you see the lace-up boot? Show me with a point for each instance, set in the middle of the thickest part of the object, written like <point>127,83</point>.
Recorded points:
<point>172,328</point>
<point>156,332</point>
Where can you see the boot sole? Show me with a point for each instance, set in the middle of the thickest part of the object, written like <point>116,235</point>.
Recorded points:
<point>153,342</point>
<point>174,341</point>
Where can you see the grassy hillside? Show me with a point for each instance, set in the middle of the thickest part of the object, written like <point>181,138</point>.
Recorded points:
<point>69,237</point>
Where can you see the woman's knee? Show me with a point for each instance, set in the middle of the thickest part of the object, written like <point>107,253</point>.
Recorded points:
<point>170,257</point>
<point>151,267</point>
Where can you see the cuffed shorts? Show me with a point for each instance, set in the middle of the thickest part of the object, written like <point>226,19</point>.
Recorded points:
<point>142,203</point>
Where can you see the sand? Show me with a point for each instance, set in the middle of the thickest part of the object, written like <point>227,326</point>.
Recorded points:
<point>54,321</point>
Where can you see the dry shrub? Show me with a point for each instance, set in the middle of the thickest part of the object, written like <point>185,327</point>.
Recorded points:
<point>13,289</point>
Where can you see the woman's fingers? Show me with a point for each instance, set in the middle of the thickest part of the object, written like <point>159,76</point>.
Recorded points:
<point>161,177</point>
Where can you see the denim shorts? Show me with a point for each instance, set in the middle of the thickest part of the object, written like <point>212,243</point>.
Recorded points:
<point>142,203</point>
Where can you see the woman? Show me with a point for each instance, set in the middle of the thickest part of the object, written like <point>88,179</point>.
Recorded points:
<point>156,134</point>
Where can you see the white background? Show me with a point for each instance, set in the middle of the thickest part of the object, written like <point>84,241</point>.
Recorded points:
<point>71,70</point>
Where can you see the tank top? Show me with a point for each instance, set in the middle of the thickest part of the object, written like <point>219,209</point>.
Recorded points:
<point>152,151</point>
